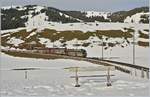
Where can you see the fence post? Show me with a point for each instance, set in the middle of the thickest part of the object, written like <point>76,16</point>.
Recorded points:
<point>147,73</point>
<point>108,77</point>
<point>142,73</point>
<point>131,72</point>
<point>135,73</point>
<point>102,49</point>
<point>77,78</point>
<point>26,74</point>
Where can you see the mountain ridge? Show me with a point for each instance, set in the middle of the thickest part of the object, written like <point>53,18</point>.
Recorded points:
<point>16,16</point>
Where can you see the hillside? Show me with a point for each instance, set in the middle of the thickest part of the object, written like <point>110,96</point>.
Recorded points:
<point>51,27</point>
<point>78,35</point>
<point>137,15</point>
<point>17,16</point>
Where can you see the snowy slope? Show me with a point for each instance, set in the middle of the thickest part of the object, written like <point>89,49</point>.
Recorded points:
<point>38,21</point>
<point>135,18</point>
<point>53,80</point>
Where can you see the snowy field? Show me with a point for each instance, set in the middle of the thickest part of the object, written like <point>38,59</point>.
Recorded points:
<point>122,54</point>
<point>53,80</point>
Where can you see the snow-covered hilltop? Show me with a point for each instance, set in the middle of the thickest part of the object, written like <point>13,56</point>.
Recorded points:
<point>19,16</point>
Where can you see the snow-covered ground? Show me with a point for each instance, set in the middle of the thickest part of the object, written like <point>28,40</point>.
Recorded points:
<point>122,54</point>
<point>53,80</point>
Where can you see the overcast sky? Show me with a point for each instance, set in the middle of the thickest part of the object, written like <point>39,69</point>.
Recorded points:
<point>97,5</point>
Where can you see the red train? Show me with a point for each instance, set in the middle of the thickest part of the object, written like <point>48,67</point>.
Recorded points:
<point>63,51</point>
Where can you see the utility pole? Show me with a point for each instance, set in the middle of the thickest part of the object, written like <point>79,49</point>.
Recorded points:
<point>76,47</point>
<point>108,77</point>
<point>133,48</point>
<point>102,48</point>
<point>11,5</point>
<point>77,78</point>
<point>134,51</point>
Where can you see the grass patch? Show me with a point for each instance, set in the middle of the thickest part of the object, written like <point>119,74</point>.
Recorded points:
<point>22,34</point>
<point>147,30</point>
<point>70,35</point>
<point>4,41</point>
<point>86,44</point>
<point>25,45</point>
<point>114,33</point>
<point>129,29</point>
<point>30,55</point>
<point>144,44</point>
<point>111,44</point>
<point>142,35</point>
<point>48,33</point>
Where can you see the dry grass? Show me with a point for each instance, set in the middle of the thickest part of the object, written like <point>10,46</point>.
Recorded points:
<point>142,35</point>
<point>144,44</point>
<point>30,55</point>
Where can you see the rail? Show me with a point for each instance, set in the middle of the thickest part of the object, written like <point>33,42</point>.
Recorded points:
<point>91,60</point>
<point>128,65</point>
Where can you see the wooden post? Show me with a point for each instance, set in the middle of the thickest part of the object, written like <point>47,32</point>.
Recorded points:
<point>131,72</point>
<point>135,73</point>
<point>26,74</point>
<point>102,49</point>
<point>147,74</point>
<point>77,78</point>
<point>108,77</point>
<point>142,73</point>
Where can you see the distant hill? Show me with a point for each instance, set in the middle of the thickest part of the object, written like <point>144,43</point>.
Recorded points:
<point>20,16</point>
<point>142,17</point>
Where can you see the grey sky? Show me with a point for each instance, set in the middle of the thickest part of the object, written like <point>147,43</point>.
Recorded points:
<point>98,5</point>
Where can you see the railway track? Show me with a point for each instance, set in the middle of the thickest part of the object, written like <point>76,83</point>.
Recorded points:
<point>128,65</point>
<point>91,60</point>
